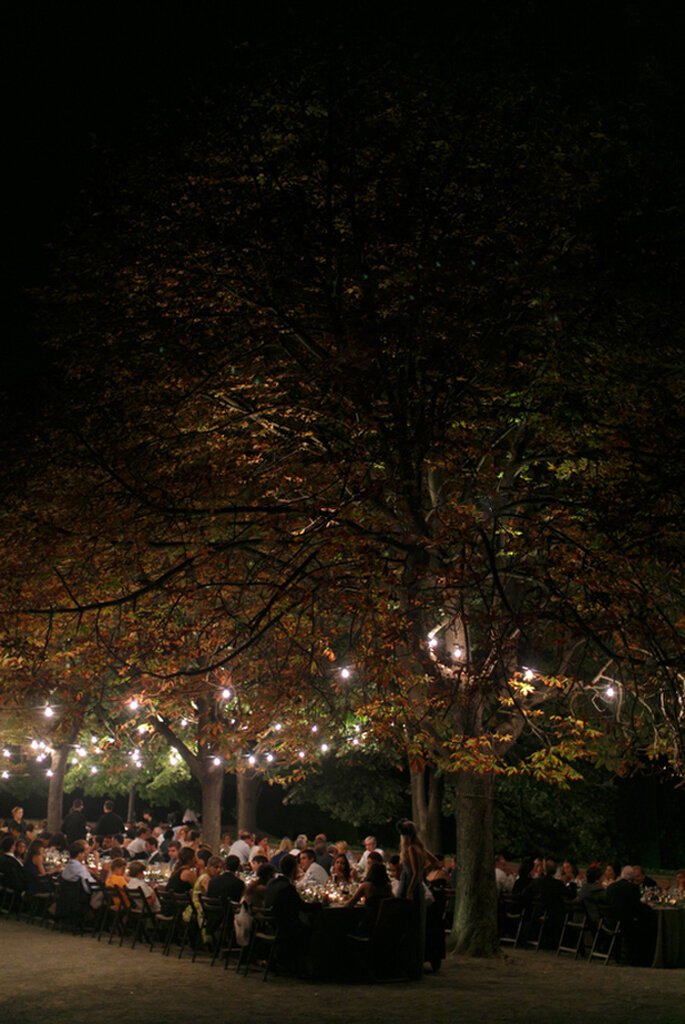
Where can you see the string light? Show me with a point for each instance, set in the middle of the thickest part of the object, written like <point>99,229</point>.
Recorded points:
<point>93,770</point>
<point>226,693</point>
<point>278,726</point>
<point>301,754</point>
<point>48,712</point>
<point>324,748</point>
<point>432,641</point>
<point>315,728</point>
<point>6,753</point>
<point>5,775</point>
<point>133,704</point>
<point>49,773</point>
<point>457,652</point>
<point>184,722</point>
<point>345,673</point>
<point>528,675</point>
<point>269,758</point>
<point>216,761</point>
<point>610,691</point>
<point>252,759</point>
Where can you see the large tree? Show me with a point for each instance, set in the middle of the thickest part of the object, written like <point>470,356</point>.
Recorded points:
<point>350,359</point>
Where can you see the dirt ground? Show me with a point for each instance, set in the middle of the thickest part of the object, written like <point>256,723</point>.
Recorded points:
<point>64,978</point>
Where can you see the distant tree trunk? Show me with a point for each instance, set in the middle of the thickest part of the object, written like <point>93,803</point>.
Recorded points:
<point>58,767</point>
<point>475,919</point>
<point>131,810</point>
<point>212,782</point>
<point>426,800</point>
<point>248,787</point>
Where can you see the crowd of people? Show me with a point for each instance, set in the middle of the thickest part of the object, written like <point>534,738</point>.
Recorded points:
<point>278,878</point>
<point>246,869</point>
<point>615,893</point>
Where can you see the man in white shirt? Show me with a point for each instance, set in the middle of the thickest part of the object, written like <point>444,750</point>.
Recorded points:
<point>313,872</point>
<point>75,869</point>
<point>136,848</point>
<point>242,846</point>
<point>369,847</point>
<point>504,879</point>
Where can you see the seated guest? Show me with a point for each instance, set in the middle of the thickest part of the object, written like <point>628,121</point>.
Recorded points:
<point>375,887</point>
<point>437,872</point>
<point>37,878</point>
<point>395,873</point>
<point>301,843</point>
<point>374,857</point>
<point>285,846</point>
<point>312,873</point>
<point>174,850</point>
<point>341,872</point>
<point>242,846</point>
<point>593,895</point>
<point>370,846</point>
<point>75,870</point>
<point>638,921</point>
<point>136,881</point>
<point>261,847</point>
<point>567,875</point>
<point>343,848</point>
<point>226,885</point>
<point>116,877</point>
<point>643,881</point>
<point>257,861</point>
<point>136,848</point>
<point>57,844</point>
<point>11,868</point>
<point>323,857</point>
<point>550,893</point>
<point>182,878</point>
<point>292,914</point>
<point>20,846</point>
<point>523,882</point>
<point>612,873</point>
<point>254,893</point>
<point>504,876</point>
<point>152,854</point>
<point>678,887</point>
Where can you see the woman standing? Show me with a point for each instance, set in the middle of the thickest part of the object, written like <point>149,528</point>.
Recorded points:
<point>414,858</point>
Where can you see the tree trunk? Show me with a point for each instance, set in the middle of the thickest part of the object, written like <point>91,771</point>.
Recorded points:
<point>131,810</point>
<point>426,801</point>
<point>248,787</point>
<point>475,918</point>
<point>58,766</point>
<point>212,783</point>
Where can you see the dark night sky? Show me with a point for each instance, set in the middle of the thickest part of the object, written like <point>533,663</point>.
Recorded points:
<point>84,79</point>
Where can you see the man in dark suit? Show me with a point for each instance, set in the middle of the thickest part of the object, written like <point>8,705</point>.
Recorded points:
<point>291,911</point>
<point>226,885</point>
<point>638,921</point>
<point>11,870</point>
<point>74,824</point>
<point>223,885</point>
<point>109,823</point>
<point>549,893</point>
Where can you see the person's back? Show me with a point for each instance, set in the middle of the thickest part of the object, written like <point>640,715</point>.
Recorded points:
<point>109,823</point>
<point>74,825</point>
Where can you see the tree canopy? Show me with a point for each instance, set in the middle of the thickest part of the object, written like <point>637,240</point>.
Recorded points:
<point>360,371</point>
